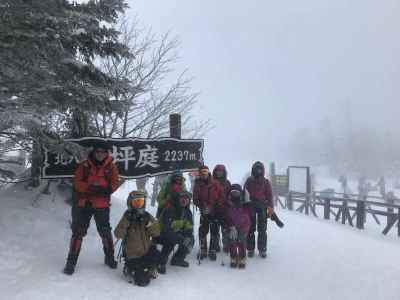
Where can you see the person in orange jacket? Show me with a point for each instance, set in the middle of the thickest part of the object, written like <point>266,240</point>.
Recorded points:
<point>95,179</point>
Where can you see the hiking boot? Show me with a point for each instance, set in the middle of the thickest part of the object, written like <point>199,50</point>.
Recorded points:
<point>250,253</point>
<point>263,254</point>
<point>203,253</point>
<point>212,255</point>
<point>153,273</point>
<point>233,262</point>
<point>69,268</point>
<point>162,269</point>
<point>179,262</point>
<point>110,261</point>
<point>242,263</point>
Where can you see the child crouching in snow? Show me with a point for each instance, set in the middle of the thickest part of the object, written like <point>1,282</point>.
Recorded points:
<point>238,221</point>
<point>136,229</point>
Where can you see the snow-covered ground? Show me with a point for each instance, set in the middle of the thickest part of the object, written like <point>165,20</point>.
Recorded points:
<point>308,259</point>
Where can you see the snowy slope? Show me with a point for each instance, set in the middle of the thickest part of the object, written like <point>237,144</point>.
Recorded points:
<point>308,259</point>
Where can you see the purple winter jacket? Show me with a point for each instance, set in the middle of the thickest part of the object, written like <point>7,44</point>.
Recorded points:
<point>238,217</point>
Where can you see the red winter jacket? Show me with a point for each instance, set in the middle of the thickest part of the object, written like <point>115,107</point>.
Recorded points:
<point>260,190</point>
<point>208,193</point>
<point>89,173</point>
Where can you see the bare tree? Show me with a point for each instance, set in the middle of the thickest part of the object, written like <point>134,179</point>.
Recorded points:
<point>145,108</point>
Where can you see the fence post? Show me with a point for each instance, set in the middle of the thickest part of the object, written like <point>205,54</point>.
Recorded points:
<point>290,201</point>
<point>398,223</point>
<point>327,208</point>
<point>344,211</point>
<point>360,211</point>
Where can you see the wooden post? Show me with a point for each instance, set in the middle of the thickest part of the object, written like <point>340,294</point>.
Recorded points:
<point>175,128</point>
<point>308,192</point>
<point>290,201</point>
<point>344,211</point>
<point>360,211</point>
<point>327,208</point>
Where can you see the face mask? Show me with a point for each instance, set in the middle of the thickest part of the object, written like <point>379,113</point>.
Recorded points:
<point>258,171</point>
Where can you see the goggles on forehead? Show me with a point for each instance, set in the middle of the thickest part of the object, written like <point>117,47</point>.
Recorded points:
<point>235,193</point>
<point>136,202</point>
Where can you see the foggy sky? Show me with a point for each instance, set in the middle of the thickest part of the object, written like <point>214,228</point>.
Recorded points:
<point>266,68</point>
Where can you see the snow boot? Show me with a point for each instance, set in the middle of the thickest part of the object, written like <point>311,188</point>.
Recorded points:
<point>162,269</point>
<point>69,268</point>
<point>212,255</point>
<point>180,262</point>
<point>108,247</point>
<point>242,263</point>
<point>262,253</point>
<point>203,248</point>
<point>250,253</point>
<point>234,263</point>
<point>74,250</point>
<point>128,274</point>
<point>110,261</point>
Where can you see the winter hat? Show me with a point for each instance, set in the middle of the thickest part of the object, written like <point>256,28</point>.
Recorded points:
<point>184,195</point>
<point>235,191</point>
<point>258,165</point>
<point>101,144</point>
<point>203,169</point>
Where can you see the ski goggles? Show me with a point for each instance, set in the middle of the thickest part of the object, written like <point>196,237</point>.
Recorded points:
<point>203,172</point>
<point>235,193</point>
<point>136,202</point>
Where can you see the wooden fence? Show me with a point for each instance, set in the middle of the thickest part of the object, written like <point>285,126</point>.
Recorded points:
<point>344,208</point>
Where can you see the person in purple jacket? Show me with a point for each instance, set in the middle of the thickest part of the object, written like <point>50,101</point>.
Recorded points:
<point>238,221</point>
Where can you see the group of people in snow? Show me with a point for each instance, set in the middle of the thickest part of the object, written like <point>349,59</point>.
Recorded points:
<point>228,212</point>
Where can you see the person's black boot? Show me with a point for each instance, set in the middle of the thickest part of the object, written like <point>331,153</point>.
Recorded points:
<point>263,254</point>
<point>69,268</point>
<point>162,269</point>
<point>110,261</point>
<point>74,250</point>
<point>180,262</point>
<point>212,255</point>
<point>250,253</point>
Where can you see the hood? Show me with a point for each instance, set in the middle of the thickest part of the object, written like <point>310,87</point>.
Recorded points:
<point>220,168</point>
<point>255,165</point>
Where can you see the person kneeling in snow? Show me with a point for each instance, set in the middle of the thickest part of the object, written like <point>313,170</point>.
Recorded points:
<point>136,229</point>
<point>238,221</point>
<point>176,229</point>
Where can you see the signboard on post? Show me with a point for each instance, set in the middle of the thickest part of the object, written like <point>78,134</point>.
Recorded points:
<point>134,157</point>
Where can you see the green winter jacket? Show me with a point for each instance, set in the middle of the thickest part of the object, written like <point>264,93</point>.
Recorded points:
<point>167,193</point>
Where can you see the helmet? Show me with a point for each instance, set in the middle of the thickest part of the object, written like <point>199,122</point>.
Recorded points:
<point>136,201</point>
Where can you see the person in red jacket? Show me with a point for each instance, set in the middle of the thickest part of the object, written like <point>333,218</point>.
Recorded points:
<point>207,195</point>
<point>220,175</point>
<point>260,193</point>
<point>95,179</point>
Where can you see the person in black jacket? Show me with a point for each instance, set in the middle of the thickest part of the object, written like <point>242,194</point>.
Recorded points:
<point>176,221</point>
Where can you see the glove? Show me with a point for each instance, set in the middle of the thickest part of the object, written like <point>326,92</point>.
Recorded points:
<point>233,234</point>
<point>177,225</point>
<point>270,211</point>
<point>96,189</point>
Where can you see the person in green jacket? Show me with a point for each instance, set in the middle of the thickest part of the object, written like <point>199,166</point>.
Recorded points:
<point>169,189</point>
<point>176,221</point>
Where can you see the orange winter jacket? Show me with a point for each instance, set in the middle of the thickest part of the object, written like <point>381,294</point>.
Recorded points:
<point>104,175</point>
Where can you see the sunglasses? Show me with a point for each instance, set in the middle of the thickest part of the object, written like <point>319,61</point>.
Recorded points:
<point>137,202</point>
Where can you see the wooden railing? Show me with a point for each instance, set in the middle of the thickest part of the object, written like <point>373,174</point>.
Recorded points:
<point>344,208</point>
